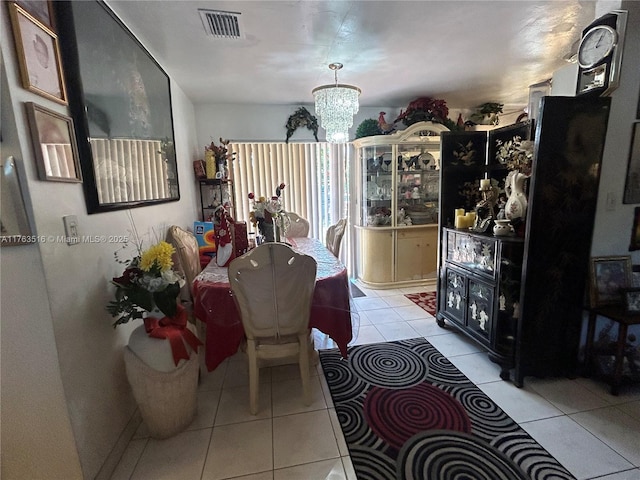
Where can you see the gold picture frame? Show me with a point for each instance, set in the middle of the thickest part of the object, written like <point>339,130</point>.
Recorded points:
<point>610,276</point>
<point>38,55</point>
<point>54,144</point>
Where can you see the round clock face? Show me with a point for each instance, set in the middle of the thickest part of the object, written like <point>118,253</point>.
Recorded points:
<point>596,45</point>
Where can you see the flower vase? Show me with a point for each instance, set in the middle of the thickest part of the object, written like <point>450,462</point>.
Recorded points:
<point>516,206</point>
<point>277,231</point>
<point>266,229</point>
<point>166,393</point>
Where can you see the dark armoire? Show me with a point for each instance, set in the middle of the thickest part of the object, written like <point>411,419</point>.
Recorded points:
<point>562,191</point>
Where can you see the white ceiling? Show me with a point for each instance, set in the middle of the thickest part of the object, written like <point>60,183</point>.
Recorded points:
<point>465,52</point>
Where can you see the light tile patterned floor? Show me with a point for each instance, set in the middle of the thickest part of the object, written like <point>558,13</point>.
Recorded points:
<point>593,434</point>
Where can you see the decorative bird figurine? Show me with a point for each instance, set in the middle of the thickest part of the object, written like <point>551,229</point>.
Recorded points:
<point>384,126</point>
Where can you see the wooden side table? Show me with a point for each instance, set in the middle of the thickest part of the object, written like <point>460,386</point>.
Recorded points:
<point>618,314</point>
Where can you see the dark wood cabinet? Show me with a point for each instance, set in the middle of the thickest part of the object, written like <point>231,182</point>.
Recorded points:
<point>480,290</point>
<point>546,267</point>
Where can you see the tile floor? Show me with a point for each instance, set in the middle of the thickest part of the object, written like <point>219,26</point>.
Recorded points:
<point>593,434</point>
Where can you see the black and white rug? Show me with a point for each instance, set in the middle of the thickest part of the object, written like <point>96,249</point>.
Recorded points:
<point>407,413</point>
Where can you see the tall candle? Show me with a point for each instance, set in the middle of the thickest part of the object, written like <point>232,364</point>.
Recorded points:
<point>485,183</point>
<point>460,221</point>
<point>459,211</point>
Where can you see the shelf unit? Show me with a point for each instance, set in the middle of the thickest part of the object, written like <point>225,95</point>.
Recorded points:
<point>397,196</point>
<point>214,193</point>
<point>556,234</point>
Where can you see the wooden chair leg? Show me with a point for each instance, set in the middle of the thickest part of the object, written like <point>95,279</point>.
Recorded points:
<point>254,376</point>
<point>304,368</point>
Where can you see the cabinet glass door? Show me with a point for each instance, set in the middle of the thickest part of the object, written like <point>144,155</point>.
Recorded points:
<point>418,185</point>
<point>377,186</point>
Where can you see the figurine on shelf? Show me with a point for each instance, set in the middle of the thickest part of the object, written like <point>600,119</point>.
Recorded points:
<point>415,194</point>
<point>485,209</point>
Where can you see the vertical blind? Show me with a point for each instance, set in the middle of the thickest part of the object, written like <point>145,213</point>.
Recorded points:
<point>316,176</point>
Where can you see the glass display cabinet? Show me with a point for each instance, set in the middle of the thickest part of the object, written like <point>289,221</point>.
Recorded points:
<point>397,204</point>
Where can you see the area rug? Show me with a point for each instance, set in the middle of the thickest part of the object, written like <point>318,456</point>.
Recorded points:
<point>426,300</point>
<point>407,413</point>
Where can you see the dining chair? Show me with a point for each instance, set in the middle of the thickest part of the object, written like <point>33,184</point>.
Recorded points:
<point>334,236</point>
<point>186,261</point>
<point>298,227</point>
<point>273,286</point>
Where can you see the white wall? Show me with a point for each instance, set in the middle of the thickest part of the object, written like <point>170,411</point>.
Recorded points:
<point>65,397</point>
<point>612,232</point>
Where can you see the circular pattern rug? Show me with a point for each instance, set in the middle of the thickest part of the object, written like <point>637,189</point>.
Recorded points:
<point>408,413</point>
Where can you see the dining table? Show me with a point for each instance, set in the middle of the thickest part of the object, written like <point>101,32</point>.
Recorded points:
<point>213,303</point>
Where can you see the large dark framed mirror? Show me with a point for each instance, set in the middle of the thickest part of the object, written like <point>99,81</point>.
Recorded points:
<point>120,101</point>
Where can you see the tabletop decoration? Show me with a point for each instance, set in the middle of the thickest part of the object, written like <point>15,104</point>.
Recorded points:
<point>148,289</point>
<point>269,216</point>
<point>219,156</point>
<point>517,156</point>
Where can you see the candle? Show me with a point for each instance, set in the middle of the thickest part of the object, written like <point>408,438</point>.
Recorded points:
<point>460,223</point>
<point>459,211</point>
<point>470,219</point>
<point>485,183</point>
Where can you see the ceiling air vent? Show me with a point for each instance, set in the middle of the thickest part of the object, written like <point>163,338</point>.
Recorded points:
<point>221,24</point>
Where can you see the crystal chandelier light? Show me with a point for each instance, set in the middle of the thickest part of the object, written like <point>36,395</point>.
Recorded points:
<point>336,104</point>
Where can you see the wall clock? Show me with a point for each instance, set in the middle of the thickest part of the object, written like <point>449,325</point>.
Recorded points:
<point>600,54</point>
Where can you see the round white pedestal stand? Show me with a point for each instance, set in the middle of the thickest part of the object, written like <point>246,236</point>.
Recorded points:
<point>165,393</point>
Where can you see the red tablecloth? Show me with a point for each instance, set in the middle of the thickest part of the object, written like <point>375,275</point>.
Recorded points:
<point>214,305</point>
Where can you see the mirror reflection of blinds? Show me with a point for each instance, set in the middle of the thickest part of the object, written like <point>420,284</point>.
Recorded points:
<point>58,160</point>
<point>129,170</point>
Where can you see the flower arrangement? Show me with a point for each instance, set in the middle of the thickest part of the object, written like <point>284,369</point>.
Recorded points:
<point>221,154</point>
<point>264,212</point>
<point>424,109</point>
<point>148,282</point>
<point>515,154</point>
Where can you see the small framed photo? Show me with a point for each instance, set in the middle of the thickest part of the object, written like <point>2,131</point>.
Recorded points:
<point>54,143</point>
<point>609,277</point>
<point>41,9</point>
<point>632,300</point>
<point>38,55</point>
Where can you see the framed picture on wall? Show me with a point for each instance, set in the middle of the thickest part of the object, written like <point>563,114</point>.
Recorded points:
<point>635,231</point>
<point>38,55</point>
<point>632,300</point>
<point>609,277</point>
<point>54,144</point>
<point>41,9</point>
<point>120,103</point>
<point>632,182</point>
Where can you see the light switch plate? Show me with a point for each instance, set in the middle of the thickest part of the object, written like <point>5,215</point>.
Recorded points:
<point>71,229</point>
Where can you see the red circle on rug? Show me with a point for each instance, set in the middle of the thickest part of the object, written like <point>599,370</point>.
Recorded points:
<point>395,415</point>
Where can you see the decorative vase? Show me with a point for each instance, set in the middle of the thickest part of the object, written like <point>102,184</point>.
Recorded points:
<point>516,206</point>
<point>502,228</point>
<point>277,231</point>
<point>210,164</point>
<point>166,392</point>
<point>266,229</point>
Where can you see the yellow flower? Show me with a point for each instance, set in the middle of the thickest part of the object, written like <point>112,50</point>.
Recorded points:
<point>158,256</point>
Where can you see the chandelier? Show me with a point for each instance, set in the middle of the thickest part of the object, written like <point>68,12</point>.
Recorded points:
<point>336,104</point>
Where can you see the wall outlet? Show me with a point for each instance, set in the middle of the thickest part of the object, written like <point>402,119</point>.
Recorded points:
<point>71,229</point>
